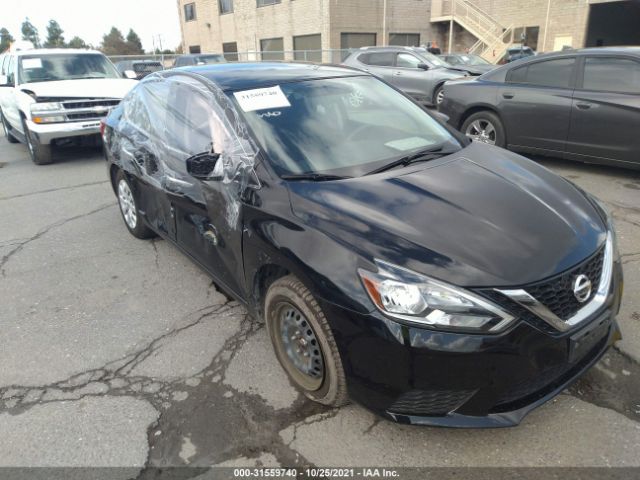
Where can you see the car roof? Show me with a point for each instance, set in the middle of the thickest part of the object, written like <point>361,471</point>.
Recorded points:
<point>247,76</point>
<point>54,51</point>
<point>588,51</point>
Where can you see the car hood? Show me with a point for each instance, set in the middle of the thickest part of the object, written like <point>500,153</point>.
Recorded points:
<point>478,69</point>
<point>82,88</point>
<point>481,217</point>
<point>451,72</point>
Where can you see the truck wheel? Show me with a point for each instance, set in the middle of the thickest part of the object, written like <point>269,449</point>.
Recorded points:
<point>7,130</point>
<point>129,209</point>
<point>303,342</point>
<point>41,154</point>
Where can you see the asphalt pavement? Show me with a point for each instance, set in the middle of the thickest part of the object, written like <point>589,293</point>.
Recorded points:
<point>120,352</point>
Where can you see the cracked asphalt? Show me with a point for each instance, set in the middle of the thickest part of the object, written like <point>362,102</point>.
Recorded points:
<point>120,352</point>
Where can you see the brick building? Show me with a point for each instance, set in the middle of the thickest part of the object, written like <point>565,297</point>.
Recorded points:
<point>266,28</point>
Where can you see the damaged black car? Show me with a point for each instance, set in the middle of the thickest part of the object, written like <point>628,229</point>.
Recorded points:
<point>432,279</point>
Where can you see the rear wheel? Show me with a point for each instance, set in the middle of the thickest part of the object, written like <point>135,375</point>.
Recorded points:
<point>129,209</point>
<point>485,127</point>
<point>7,130</point>
<point>40,153</point>
<point>303,342</point>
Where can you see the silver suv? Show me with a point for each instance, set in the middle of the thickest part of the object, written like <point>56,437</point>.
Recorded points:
<point>413,70</point>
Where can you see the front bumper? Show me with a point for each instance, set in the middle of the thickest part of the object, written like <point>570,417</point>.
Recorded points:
<point>45,133</point>
<point>424,377</point>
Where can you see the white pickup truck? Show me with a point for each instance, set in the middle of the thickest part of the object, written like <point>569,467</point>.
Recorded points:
<point>48,97</point>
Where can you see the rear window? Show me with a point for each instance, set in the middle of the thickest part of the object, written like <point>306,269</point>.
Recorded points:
<point>147,67</point>
<point>612,74</point>
<point>550,73</point>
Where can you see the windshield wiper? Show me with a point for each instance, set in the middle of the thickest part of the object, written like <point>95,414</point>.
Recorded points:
<point>421,156</point>
<point>313,177</point>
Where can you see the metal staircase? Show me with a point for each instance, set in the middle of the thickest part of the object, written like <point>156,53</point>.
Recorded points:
<point>493,37</point>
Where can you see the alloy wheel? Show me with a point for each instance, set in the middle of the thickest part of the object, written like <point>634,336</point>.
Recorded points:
<point>440,97</point>
<point>482,130</point>
<point>299,344</point>
<point>127,204</point>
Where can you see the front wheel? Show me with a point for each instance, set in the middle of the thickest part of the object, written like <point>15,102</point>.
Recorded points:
<point>41,154</point>
<point>129,209</point>
<point>438,96</point>
<point>485,127</point>
<point>303,342</point>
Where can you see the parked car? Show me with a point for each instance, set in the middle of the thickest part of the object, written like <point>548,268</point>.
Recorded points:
<point>413,70</point>
<point>432,279</point>
<point>140,68</point>
<point>474,64</point>
<point>580,105</point>
<point>49,97</point>
<point>198,59</point>
<point>516,52</point>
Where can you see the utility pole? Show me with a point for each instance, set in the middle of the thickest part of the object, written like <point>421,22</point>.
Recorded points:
<point>384,23</point>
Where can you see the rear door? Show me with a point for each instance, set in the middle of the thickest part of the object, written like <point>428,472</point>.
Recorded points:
<point>378,63</point>
<point>535,104</point>
<point>605,115</point>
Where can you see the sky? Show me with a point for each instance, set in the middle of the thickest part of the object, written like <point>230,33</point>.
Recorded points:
<point>91,19</point>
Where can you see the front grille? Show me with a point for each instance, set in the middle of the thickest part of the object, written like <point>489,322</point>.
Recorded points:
<point>430,402</point>
<point>557,294</point>
<point>82,116</point>
<point>90,103</point>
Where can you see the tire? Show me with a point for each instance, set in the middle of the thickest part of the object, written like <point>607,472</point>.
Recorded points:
<point>129,210</point>
<point>288,294</point>
<point>485,127</point>
<point>438,96</point>
<point>7,130</point>
<point>41,154</point>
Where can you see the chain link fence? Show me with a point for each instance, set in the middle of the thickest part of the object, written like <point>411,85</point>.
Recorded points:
<point>312,56</point>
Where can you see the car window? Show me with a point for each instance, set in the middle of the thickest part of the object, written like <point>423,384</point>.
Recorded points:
<point>550,73</point>
<point>453,60</point>
<point>611,74</point>
<point>380,59</point>
<point>406,60</point>
<point>11,74</point>
<point>2,59</point>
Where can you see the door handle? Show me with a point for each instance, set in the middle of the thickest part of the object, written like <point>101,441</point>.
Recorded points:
<point>397,74</point>
<point>508,95</point>
<point>583,105</point>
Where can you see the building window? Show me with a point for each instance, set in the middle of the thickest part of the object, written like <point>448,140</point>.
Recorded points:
<point>194,49</point>
<point>225,6</point>
<point>264,3</point>
<point>189,12</point>
<point>272,48</point>
<point>404,39</point>
<point>308,48</point>
<point>230,51</point>
<point>356,40</point>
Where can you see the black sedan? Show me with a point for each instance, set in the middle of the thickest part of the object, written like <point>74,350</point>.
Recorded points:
<point>431,279</point>
<point>580,105</point>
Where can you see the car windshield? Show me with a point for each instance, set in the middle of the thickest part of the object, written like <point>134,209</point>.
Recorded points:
<point>46,68</point>
<point>473,60</point>
<point>209,59</point>
<point>341,126</point>
<point>433,59</point>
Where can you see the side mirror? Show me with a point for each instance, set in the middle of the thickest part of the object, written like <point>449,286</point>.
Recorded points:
<point>440,116</point>
<point>4,81</point>
<point>130,74</point>
<point>423,66</point>
<point>201,165</point>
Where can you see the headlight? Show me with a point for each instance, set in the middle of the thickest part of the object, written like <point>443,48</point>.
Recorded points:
<point>45,107</point>
<point>422,301</point>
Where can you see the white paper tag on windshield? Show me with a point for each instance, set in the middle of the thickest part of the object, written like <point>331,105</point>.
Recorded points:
<point>30,63</point>
<point>261,99</point>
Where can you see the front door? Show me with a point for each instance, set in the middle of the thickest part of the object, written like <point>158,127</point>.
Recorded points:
<point>208,212</point>
<point>535,104</point>
<point>412,80</point>
<point>606,110</point>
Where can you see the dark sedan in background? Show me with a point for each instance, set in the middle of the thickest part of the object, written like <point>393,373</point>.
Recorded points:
<point>474,64</point>
<point>141,68</point>
<point>579,104</point>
